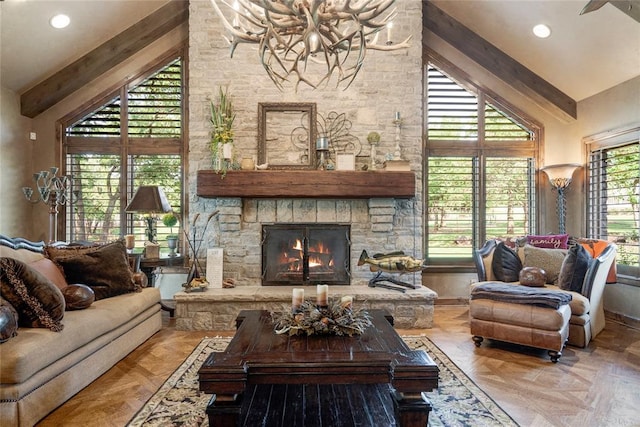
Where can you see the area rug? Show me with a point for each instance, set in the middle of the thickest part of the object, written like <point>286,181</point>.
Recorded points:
<point>456,402</point>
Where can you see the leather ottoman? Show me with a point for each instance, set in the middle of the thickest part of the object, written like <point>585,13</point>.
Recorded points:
<point>525,324</point>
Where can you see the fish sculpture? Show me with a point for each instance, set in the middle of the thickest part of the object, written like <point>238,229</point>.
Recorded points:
<point>392,262</point>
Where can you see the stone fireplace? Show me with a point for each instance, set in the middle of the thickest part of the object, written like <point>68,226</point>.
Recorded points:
<point>305,254</point>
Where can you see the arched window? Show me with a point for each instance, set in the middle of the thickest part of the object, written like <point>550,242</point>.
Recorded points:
<point>480,168</point>
<point>130,137</point>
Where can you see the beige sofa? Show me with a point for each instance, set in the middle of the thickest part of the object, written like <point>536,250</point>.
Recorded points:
<point>41,369</point>
<point>586,308</point>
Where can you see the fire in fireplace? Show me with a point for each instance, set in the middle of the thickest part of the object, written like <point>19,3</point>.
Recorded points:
<point>306,254</point>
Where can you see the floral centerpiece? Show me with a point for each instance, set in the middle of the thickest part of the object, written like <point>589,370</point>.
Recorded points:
<point>337,318</point>
<point>222,117</point>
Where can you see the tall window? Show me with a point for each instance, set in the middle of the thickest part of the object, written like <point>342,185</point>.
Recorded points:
<point>614,202</point>
<point>132,137</point>
<point>480,169</point>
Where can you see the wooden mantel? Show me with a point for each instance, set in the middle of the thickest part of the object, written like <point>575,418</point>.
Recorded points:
<point>309,184</point>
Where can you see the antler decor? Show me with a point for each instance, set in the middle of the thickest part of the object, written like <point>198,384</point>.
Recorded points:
<point>298,36</point>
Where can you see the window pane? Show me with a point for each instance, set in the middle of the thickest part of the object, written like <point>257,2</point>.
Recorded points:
<point>450,207</point>
<point>103,122</point>
<point>500,127</point>
<point>94,216</point>
<point>165,172</point>
<point>452,110</point>
<point>509,196</point>
<point>614,193</point>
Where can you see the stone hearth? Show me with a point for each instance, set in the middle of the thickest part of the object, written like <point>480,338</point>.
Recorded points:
<point>216,309</point>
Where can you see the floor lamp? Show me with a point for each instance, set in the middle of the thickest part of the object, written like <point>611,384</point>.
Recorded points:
<point>560,178</point>
<point>53,190</point>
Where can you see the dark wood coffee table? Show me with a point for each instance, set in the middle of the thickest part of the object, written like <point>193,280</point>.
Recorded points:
<point>258,361</point>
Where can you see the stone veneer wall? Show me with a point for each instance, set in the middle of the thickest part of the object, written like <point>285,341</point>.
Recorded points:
<point>388,82</point>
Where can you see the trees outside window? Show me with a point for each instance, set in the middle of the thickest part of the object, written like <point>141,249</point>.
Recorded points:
<point>614,201</point>
<point>128,138</point>
<point>480,170</point>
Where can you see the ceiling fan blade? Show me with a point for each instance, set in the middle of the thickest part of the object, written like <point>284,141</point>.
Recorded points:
<point>593,5</point>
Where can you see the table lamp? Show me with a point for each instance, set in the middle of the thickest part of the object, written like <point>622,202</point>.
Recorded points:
<point>149,200</point>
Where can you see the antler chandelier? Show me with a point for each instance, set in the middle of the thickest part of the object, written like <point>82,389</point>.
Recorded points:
<point>308,38</point>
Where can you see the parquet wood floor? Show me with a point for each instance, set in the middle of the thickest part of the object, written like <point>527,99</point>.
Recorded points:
<point>596,386</point>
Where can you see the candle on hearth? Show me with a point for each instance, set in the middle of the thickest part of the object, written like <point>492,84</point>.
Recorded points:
<point>322,299</point>
<point>397,115</point>
<point>346,301</point>
<point>297,299</point>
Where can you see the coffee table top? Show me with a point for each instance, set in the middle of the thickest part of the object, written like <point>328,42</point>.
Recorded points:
<point>257,355</point>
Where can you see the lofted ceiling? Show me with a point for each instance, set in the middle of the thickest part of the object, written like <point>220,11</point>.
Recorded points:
<point>585,54</point>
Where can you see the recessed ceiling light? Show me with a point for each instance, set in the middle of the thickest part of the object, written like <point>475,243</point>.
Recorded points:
<point>542,31</point>
<point>59,21</point>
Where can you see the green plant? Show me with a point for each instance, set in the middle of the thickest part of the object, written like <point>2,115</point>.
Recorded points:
<point>222,118</point>
<point>170,220</point>
<point>373,137</point>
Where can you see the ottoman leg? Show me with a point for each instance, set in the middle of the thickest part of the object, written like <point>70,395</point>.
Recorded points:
<point>554,355</point>
<point>477,340</point>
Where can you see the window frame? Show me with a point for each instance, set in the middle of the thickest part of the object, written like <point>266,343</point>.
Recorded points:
<point>602,141</point>
<point>479,150</point>
<point>138,145</point>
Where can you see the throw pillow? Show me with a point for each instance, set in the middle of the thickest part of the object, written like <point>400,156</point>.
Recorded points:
<point>533,277</point>
<point>505,264</point>
<point>8,321</point>
<point>550,241</point>
<point>549,259</point>
<point>104,268</point>
<point>595,248</point>
<point>574,268</point>
<point>78,296</point>
<point>39,302</point>
<point>49,270</point>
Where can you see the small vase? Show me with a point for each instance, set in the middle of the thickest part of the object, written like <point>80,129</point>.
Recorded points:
<point>172,243</point>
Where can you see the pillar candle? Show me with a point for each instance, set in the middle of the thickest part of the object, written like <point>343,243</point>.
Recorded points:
<point>346,301</point>
<point>297,299</point>
<point>322,295</point>
<point>130,241</point>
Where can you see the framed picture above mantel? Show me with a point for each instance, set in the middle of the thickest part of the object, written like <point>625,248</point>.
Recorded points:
<point>308,184</point>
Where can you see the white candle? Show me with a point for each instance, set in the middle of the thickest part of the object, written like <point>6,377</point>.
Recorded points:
<point>389,27</point>
<point>227,151</point>
<point>397,115</point>
<point>346,301</point>
<point>322,298</point>
<point>297,299</point>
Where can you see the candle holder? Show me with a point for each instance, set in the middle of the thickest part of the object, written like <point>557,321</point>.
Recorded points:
<point>322,148</point>
<point>338,318</point>
<point>54,191</point>
<point>397,121</point>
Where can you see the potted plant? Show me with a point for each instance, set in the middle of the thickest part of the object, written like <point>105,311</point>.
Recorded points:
<point>222,117</point>
<point>170,220</point>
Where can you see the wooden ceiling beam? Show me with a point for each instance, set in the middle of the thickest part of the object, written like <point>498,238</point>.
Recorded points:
<point>103,58</point>
<point>498,63</point>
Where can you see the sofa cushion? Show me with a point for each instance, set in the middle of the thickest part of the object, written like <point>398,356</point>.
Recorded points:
<point>574,267</point>
<point>39,302</point>
<point>23,255</point>
<point>23,356</point>
<point>579,304</point>
<point>104,268</point>
<point>8,321</point>
<point>505,264</point>
<point>549,259</point>
<point>549,241</point>
<point>49,270</point>
<point>78,297</point>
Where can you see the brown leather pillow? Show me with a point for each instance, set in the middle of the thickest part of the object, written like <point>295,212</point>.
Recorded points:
<point>78,296</point>
<point>39,302</point>
<point>8,321</point>
<point>104,268</point>
<point>50,271</point>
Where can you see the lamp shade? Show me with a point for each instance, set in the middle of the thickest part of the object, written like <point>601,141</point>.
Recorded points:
<point>149,199</point>
<point>560,175</point>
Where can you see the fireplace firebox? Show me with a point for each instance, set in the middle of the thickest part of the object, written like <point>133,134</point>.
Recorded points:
<point>306,254</point>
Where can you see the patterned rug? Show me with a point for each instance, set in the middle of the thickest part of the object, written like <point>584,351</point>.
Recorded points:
<point>456,402</point>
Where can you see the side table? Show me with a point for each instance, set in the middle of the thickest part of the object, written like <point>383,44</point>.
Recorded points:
<point>149,267</point>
